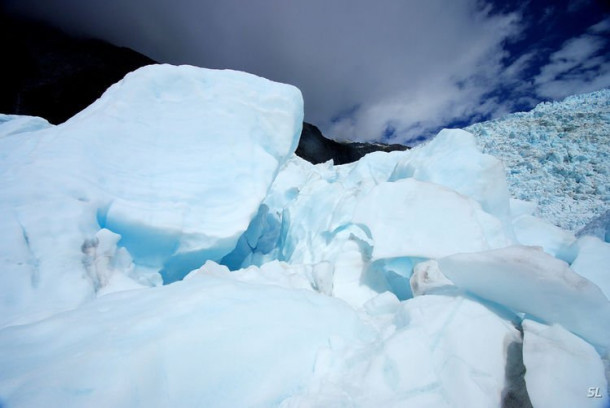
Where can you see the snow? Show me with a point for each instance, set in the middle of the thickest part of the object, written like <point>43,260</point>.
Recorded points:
<point>555,359</point>
<point>557,155</point>
<point>165,247</point>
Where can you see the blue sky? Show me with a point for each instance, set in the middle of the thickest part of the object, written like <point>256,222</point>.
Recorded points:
<point>391,70</point>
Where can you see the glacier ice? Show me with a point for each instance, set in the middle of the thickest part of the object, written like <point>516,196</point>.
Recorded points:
<point>598,227</point>
<point>557,156</point>
<point>452,160</point>
<point>428,355</point>
<point>206,341</point>
<point>403,279</point>
<point>528,280</point>
<point>555,241</point>
<point>413,218</point>
<point>373,222</point>
<point>556,359</point>
<point>593,262</point>
<point>175,160</point>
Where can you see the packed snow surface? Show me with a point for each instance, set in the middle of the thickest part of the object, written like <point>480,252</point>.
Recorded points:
<point>165,247</point>
<point>557,155</point>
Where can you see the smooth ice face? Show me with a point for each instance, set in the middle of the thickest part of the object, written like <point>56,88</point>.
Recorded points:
<point>14,124</point>
<point>414,218</point>
<point>593,262</point>
<point>562,370</point>
<point>175,160</point>
<point>453,160</point>
<point>533,231</point>
<point>528,280</point>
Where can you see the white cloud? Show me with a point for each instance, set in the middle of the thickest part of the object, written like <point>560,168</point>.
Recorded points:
<point>410,65</point>
<point>601,27</point>
<point>579,66</point>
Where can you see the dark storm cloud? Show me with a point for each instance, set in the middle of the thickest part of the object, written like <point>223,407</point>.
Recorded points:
<point>366,69</point>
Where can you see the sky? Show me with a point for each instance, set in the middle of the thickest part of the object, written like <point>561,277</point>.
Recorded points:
<point>394,71</point>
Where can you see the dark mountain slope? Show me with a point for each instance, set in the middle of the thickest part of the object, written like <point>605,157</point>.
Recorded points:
<point>55,76</point>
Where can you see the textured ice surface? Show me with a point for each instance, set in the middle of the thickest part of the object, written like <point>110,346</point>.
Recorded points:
<point>562,370</point>
<point>430,355</point>
<point>557,155</point>
<point>598,227</point>
<point>175,160</point>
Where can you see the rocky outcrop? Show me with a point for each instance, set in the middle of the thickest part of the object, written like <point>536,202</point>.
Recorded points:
<point>316,148</point>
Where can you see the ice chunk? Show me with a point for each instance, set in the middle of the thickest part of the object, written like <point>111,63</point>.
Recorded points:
<point>562,370</point>
<point>521,207</point>
<point>414,218</point>
<point>102,258</point>
<point>176,160</point>
<point>598,227</point>
<point>206,341</point>
<point>15,124</point>
<point>273,273</point>
<point>440,351</point>
<point>593,262</point>
<point>427,278</point>
<point>528,280</point>
<point>384,303</point>
<point>533,231</point>
<point>452,160</point>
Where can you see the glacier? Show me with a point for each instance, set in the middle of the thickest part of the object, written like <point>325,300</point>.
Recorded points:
<point>166,247</point>
<point>557,155</point>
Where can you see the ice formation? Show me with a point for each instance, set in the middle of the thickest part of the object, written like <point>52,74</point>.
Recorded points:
<point>557,155</point>
<point>175,160</point>
<point>556,359</point>
<point>408,279</point>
